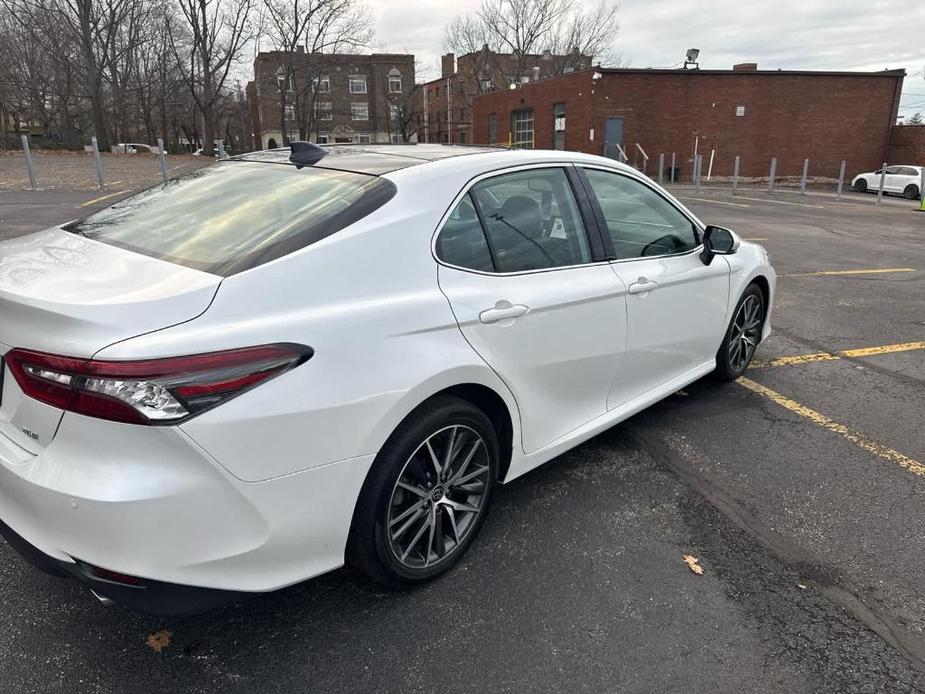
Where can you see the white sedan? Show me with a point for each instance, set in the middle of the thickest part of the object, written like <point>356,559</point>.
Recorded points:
<point>247,376</point>
<point>902,180</point>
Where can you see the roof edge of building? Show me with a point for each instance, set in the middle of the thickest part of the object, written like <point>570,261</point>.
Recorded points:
<point>899,72</point>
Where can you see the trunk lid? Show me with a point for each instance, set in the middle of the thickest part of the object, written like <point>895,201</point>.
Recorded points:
<point>68,295</point>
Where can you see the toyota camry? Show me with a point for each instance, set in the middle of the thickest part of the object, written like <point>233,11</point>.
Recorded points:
<point>297,358</point>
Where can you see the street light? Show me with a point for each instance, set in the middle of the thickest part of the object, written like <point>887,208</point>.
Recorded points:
<point>691,59</point>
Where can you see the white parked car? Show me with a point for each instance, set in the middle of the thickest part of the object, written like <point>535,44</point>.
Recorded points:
<point>237,381</point>
<point>903,180</point>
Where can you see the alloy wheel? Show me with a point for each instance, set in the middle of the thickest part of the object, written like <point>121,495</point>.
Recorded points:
<point>438,496</point>
<point>746,331</point>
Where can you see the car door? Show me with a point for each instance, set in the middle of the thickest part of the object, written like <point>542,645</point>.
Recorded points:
<point>544,311</point>
<point>894,181</point>
<point>676,305</point>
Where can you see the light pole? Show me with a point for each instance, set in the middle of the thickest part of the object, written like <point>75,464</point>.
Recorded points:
<point>282,83</point>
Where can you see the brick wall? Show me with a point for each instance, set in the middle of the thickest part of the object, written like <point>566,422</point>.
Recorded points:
<point>825,117</point>
<point>907,145</point>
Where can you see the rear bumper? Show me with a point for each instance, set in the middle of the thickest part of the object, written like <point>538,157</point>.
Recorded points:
<point>149,503</point>
<point>152,597</point>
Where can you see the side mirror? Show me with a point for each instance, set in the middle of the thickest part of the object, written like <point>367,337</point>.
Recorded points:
<point>718,241</point>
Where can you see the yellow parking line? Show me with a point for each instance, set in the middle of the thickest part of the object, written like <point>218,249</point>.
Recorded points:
<point>798,359</point>
<point>850,272</point>
<point>845,432</point>
<point>835,356</point>
<point>101,198</point>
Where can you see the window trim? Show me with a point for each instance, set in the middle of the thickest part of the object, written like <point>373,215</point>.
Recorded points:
<point>602,223</point>
<point>351,78</point>
<point>566,166</point>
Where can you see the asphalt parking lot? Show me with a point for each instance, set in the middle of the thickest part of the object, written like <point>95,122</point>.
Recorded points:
<point>800,489</point>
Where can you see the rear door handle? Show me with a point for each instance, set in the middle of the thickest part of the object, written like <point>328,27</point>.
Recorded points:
<point>642,285</point>
<point>503,310</point>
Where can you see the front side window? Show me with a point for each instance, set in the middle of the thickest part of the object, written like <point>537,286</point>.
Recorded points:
<point>236,215</point>
<point>359,111</point>
<point>640,222</point>
<point>532,220</point>
<point>358,84</point>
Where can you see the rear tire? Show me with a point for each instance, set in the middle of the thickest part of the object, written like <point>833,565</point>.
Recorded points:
<point>742,335</point>
<point>911,192</point>
<point>426,495</point>
<point>860,185</point>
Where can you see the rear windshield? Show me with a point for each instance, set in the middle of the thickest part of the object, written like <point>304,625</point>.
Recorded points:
<point>236,215</point>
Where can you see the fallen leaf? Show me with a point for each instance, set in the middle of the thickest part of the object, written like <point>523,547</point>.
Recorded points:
<point>159,640</point>
<point>801,586</point>
<point>694,564</point>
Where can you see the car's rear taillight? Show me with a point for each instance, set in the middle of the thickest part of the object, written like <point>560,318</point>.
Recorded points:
<point>152,391</point>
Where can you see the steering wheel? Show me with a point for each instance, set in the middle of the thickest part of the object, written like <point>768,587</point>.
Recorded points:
<point>669,240</point>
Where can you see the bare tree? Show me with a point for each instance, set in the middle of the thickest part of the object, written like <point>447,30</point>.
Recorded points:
<point>304,32</point>
<point>206,44</point>
<point>570,30</point>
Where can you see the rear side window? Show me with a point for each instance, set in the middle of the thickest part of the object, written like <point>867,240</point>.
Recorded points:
<point>236,215</point>
<point>462,242</point>
<point>532,222</point>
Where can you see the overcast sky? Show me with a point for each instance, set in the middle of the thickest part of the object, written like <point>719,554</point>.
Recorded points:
<point>808,34</point>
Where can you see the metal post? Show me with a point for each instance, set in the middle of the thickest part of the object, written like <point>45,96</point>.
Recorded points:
<point>221,149</point>
<point>163,157</point>
<point>735,176</point>
<point>772,175</point>
<point>28,155</point>
<point>699,170</point>
<point>882,181</point>
<point>841,180</point>
<point>99,164</point>
<point>803,180</point>
<point>661,167</point>
<point>710,167</point>
<point>922,189</point>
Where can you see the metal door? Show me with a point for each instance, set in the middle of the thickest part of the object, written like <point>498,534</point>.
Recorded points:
<point>613,136</point>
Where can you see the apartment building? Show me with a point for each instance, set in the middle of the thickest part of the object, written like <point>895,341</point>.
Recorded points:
<point>330,98</point>
<point>446,102</point>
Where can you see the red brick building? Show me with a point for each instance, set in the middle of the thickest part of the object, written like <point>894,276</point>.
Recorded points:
<point>907,145</point>
<point>755,114</point>
<point>446,103</point>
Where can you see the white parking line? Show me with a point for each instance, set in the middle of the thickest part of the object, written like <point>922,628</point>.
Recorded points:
<point>781,202</point>
<point>715,202</point>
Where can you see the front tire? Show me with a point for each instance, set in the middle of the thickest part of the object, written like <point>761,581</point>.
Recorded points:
<point>911,192</point>
<point>742,335</point>
<point>860,185</point>
<point>426,495</point>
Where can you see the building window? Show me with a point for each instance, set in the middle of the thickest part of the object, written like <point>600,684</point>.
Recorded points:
<point>394,82</point>
<point>363,139</point>
<point>323,110</point>
<point>394,112</point>
<point>740,110</point>
<point>359,111</point>
<point>322,85</point>
<point>558,126</point>
<point>462,138</point>
<point>357,84</point>
<point>486,85</point>
<point>462,116</point>
<point>322,139</point>
<point>522,129</point>
<point>492,128</point>
<point>290,112</point>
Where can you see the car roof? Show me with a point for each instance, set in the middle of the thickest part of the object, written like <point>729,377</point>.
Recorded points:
<point>409,158</point>
<point>372,159</point>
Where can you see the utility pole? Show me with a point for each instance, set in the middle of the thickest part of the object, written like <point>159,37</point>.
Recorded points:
<point>449,112</point>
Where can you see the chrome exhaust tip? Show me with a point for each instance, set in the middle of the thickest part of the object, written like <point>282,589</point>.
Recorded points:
<point>108,602</point>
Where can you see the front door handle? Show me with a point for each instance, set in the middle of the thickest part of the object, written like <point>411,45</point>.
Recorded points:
<point>502,311</point>
<point>642,285</point>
